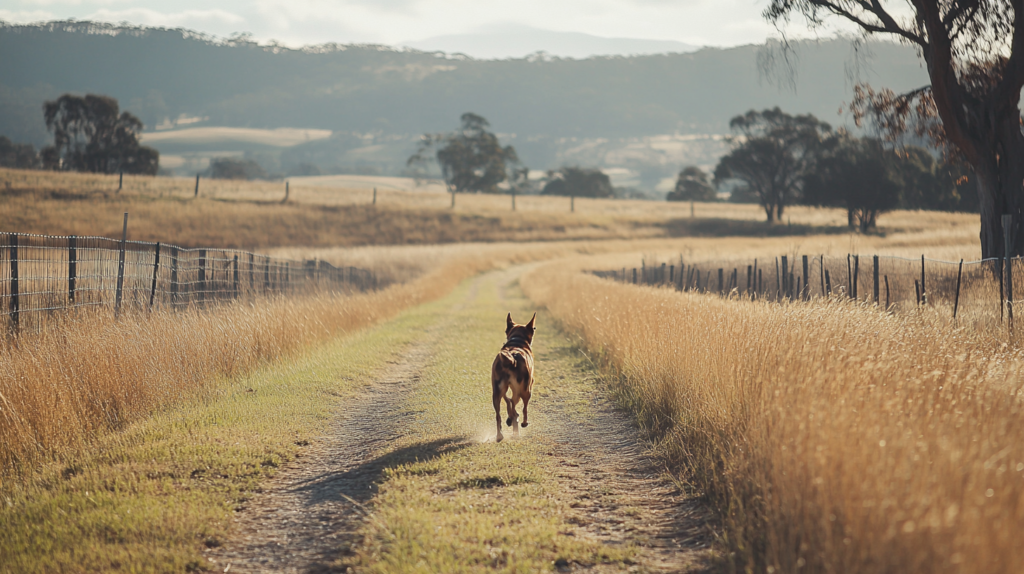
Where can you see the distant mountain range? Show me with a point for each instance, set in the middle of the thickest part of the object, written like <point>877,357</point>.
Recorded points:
<point>507,41</point>
<point>607,111</point>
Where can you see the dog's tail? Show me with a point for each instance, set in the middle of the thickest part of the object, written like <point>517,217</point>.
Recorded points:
<point>509,358</point>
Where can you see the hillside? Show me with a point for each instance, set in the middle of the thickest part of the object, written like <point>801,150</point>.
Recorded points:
<point>600,111</point>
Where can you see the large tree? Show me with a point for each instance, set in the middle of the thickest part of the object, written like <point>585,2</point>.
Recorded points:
<point>858,174</point>
<point>471,159</point>
<point>974,54</point>
<point>771,154</point>
<point>91,134</point>
<point>692,185</point>
<point>579,182</point>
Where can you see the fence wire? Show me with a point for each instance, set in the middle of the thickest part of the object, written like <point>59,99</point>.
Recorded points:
<point>44,276</point>
<point>898,283</point>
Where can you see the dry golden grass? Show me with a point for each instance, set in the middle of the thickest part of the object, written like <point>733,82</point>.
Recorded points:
<point>830,437</point>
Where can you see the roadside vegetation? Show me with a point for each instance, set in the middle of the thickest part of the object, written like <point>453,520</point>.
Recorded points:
<point>828,436</point>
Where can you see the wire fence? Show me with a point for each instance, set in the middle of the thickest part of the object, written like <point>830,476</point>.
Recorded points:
<point>43,277</point>
<point>894,283</point>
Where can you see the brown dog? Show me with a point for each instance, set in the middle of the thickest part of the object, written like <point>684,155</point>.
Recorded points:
<point>512,370</point>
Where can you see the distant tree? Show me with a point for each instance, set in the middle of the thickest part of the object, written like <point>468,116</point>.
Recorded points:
<point>471,159</point>
<point>235,168</point>
<point>772,151</point>
<point>973,51</point>
<point>91,134</point>
<point>18,156</point>
<point>692,185</point>
<point>579,182</point>
<point>858,174</point>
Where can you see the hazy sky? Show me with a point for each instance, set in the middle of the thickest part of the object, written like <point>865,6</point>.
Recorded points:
<point>302,22</point>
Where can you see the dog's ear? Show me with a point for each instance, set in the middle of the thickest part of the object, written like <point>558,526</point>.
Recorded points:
<point>508,323</point>
<point>533,323</point>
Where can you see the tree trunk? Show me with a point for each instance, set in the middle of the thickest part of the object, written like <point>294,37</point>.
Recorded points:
<point>1001,187</point>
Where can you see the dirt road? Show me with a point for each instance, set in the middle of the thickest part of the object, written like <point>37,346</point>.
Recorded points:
<point>408,478</point>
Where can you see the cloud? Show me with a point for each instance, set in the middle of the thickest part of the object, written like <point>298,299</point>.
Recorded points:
<point>186,18</point>
<point>26,16</point>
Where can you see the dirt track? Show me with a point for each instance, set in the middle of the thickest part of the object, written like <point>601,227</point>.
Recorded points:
<point>308,518</point>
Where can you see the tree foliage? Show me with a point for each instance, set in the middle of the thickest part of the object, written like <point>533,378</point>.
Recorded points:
<point>692,185</point>
<point>18,156</point>
<point>974,54</point>
<point>236,168</point>
<point>579,182</point>
<point>471,159</point>
<point>858,174</point>
<point>771,154</point>
<point>91,134</point>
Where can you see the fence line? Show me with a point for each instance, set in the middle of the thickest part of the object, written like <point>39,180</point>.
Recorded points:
<point>892,282</point>
<point>42,277</point>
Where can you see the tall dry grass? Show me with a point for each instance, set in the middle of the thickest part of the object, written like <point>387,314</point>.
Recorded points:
<point>830,437</point>
<point>62,387</point>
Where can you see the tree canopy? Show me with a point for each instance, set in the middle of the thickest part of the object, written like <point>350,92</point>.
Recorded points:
<point>91,134</point>
<point>974,55</point>
<point>858,174</point>
<point>579,182</point>
<point>692,185</point>
<point>772,151</point>
<point>471,159</point>
<point>19,156</point>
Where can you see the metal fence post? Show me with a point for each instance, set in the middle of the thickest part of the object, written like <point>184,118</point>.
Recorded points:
<point>15,306</point>
<point>874,278</point>
<point>120,268</point>
<point>156,268</point>
<point>72,268</point>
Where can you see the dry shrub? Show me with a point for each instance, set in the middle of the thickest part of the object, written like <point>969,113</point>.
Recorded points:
<point>829,436</point>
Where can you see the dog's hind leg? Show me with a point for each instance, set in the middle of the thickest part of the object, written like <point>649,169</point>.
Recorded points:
<point>513,414</point>
<point>526,406</point>
<point>496,398</point>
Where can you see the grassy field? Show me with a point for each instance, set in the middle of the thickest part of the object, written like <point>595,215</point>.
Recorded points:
<point>828,436</point>
<point>250,215</point>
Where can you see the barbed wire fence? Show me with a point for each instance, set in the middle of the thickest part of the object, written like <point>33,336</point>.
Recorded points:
<point>893,283</point>
<point>44,277</point>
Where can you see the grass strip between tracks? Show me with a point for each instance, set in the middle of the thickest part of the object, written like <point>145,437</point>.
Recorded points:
<point>466,504</point>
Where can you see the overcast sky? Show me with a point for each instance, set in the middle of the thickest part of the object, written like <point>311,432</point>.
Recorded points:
<point>303,22</point>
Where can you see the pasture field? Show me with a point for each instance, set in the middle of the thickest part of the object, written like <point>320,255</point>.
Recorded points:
<point>249,215</point>
<point>672,431</point>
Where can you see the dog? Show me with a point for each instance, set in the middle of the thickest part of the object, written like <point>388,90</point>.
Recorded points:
<point>512,370</point>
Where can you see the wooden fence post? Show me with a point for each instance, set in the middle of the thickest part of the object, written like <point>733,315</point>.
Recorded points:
<point>956,300</point>
<point>786,287</point>
<point>778,279</point>
<point>924,292</point>
<point>721,280</point>
<point>235,277</point>
<point>750,277</point>
<point>266,275</point>
<point>120,268</point>
<point>174,277</point>
<point>805,293</point>
<point>856,276</point>
<point>196,194</point>
<point>828,284</point>
<point>15,303</point>
<point>120,181</point>
<point>156,268</point>
<point>202,277</point>
<point>887,293</point>
<point>672,274</point>
<point>874,278</point>
<point>821,272</point>
<point>634,276</point>
<point>662,278</point>
<point>760,280</point>
<point>72,268</point>
<point>1007,245</point>
<point>849,275</point>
